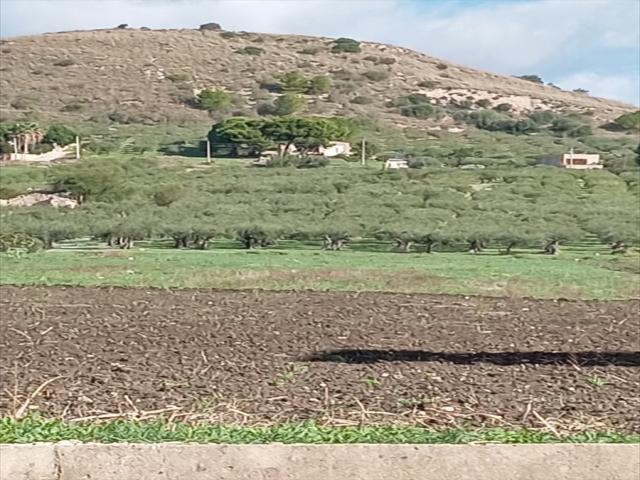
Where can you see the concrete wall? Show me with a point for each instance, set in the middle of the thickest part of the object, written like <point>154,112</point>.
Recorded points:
<point>75,461</point>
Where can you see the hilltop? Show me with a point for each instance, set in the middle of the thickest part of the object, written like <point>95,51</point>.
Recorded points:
<point>131,76</point>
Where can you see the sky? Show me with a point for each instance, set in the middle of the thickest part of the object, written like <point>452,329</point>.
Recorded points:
<point>590,44</point>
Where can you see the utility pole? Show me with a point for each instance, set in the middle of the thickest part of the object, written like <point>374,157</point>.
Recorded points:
<point>571,157</point>
<point>77,148</point>
<point>208,151</point>
<point>363,154</point>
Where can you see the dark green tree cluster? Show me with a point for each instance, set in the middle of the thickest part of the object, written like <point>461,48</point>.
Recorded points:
<point>239,136</point>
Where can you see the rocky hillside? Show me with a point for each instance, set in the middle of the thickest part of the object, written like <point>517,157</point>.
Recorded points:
<point>151,76</point>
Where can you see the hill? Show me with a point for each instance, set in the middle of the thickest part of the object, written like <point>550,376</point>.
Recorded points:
<point>150,77</point>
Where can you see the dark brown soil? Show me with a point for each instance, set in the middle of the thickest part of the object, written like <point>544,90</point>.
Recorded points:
<point>264,357</point>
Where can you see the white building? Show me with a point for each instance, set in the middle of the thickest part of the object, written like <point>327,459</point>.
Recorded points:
<point>578,161</point>
<point>334,149</point>
<point>395,164</point>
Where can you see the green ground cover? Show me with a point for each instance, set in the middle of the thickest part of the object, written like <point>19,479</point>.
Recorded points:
<point>37,430</point>
<point>578,272</point>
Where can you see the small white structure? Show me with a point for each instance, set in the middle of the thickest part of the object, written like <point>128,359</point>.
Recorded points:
<point>334,149</point>
<point>395,164</point>
<point>578,161</point>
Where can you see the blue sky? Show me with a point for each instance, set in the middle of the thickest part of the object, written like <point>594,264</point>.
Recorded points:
<point>592,44</point>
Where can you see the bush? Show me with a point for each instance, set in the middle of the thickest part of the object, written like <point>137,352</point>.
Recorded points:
<point>210,26</point>
<point>416,163</point>
<point>60,135</point>
<point>294,82</point>
<point>376,75</point>
<point>287,104</point>
<point>20,242</point>
<point>442,66</point>
<point>178,77</point>
<point>318,85</point>
<point>256,51</point>
<point>346,45</point>
<point>531,78</point>
<point>483,103</point>
<point>310,50</point>
<point>629,121</point>
<point>362,100</point>
<point>7,191</point>
<point>315,161</point>
<point>422,110</point>
<point>427,84</point>
<point>66,62</point>
<point>214,100</point>
<point>167,195</point>
<point>415,105</point>
<point>41,148</point>
<point>503,107</point>
<point>386,61</point>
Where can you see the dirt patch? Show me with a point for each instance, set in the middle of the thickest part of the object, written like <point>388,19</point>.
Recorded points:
<point>264,357</point>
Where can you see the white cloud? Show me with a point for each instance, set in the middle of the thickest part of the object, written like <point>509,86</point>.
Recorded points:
<point>609,86</point>
<point>532,36</point>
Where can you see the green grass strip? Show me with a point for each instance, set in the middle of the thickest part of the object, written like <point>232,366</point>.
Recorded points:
<point>39,430</point>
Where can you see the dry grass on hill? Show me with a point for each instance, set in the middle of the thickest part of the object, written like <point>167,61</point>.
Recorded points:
<point>136,76</point>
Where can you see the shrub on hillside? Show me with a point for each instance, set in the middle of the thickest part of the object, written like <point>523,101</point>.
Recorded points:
<point>386,61</point>
<point>427,84</point>
<point>318,85</point>
<point>376,75</point>
<point>362,100</point>
<point>310,50</point>
<point>415,105</point>
<point>178,77</point>
<point>287,104</point>
<point>256,51</point>
<point>168,194</point>
<point>442,66</point>
<point>503,107</point>
<point>345,45</point>
<point>629,121</point>
<point>214,100</point>
<point>531,78</point>
<point>65,62</point>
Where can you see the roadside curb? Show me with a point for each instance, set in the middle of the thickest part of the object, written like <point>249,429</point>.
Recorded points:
<point>178,461</point>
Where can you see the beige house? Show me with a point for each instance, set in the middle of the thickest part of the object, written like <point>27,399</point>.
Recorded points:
<point>395,164</point>
<point>578,161</point>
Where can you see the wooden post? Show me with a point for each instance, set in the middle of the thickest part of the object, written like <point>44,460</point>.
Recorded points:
<point>208,151</point>
<point>363,155</point>
<point>77,148</point>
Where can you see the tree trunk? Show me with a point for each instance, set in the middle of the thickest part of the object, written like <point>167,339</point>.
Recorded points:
<point>552,248</point>
<point>430,246</point>
<point>404,245</point>
<point>509,247</point>
<point>475,247</point>
<point>619,247</point>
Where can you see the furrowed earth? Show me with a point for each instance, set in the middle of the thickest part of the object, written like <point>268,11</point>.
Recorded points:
<point>256,357</point>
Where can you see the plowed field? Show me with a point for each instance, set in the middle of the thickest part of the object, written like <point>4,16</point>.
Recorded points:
<point>263,357</point>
